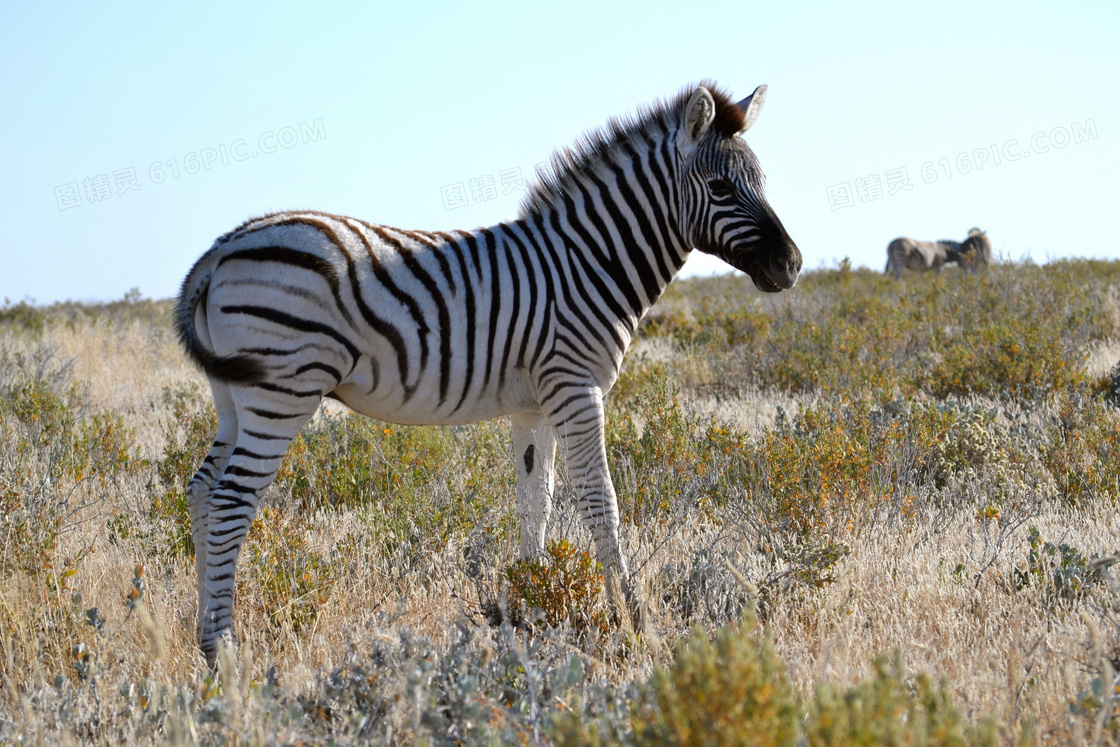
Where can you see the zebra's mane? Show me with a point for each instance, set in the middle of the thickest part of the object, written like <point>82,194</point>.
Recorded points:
<point>621,136</point>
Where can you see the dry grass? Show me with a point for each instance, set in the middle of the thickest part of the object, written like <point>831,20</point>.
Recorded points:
<point>358,622</point>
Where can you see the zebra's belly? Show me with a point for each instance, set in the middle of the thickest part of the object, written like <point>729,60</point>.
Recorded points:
<point>517,394</point>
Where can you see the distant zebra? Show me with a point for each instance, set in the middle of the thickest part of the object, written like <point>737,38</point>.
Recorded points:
<point>920,256</point>
<point>528,318</point>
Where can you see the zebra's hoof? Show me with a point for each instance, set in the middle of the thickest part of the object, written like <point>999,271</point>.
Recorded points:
<point>214,647</point>
<point>618,597</point>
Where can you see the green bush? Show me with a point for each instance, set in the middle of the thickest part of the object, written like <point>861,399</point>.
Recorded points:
<point>290,581</point>
<point>1016,329</point>
<point>1006,357</point>
<point>189,434</point>
<point>889,710</point>
<point>1082,444</point>
<point>57,456</point>
<point>676,453</point>
<point>25,316</point>
<point>411,484</point>
<point>732,690</point>
<point>1061,571</point>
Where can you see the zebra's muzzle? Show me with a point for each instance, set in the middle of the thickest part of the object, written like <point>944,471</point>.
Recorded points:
<point>761,280</point>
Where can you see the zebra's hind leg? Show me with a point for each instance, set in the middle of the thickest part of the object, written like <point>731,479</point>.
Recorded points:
<point>534,447</point>
<point>202,484</point>
<point>267,421</point>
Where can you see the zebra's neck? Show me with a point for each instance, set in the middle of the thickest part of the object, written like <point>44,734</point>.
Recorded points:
<point>616,227</point>
<point>952,249</point>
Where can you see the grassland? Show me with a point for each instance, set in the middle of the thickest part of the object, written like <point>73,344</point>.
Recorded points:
<point>862,512</point>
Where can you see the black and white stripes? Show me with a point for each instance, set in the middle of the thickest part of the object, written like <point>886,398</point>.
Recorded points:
<point>529,318</point>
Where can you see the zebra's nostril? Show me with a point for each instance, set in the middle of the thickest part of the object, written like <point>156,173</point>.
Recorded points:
<point>787,266</point>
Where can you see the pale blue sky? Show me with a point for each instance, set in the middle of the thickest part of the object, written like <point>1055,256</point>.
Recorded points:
<point>387,109</point>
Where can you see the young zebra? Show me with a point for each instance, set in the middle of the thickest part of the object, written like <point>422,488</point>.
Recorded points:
<point>528,318</point>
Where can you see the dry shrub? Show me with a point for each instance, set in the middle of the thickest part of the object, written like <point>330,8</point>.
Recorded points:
<point>892,709</point>
<point>732,690</point>
<point>564,586</point>
<point>290,580</point>
<point>188,434</point>
<point>1083,441</point>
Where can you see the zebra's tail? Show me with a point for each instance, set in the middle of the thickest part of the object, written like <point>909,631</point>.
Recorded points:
<point>238,368</point>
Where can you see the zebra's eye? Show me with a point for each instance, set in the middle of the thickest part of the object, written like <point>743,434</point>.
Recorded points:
<point>721,187</point>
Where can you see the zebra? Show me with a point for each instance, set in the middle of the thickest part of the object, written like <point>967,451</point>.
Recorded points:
<point>920,256</point>
<point>528,319</point>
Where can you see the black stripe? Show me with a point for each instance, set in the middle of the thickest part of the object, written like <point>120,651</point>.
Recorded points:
<point>408,301</point>
<point>591,273</point>
<point>295,258</point>
<point>239,451</point>
<point>320,366</point>
<point>264,436</point>
<point>274,351</point>
<point>532,313</point>
<point>641,264</point>
<point>434,291</point>
<point>287,320</point>
<point>227,532</point>
<point>655,192</point>
<point>566,289</point>
<point>228,501</point>
<point>233,469</point>
<point>376,323</point>
<point>273,415</point>
<point>616,268</point>
<point>495,308</point>
<point>437,248</point>
<point>670,177</point>
<point>548,267</point>
<point>233,487</point>
<point>285,390</point>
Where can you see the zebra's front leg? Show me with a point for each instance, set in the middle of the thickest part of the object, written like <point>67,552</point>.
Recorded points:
<point>534,448</point>
<point>579,425</point>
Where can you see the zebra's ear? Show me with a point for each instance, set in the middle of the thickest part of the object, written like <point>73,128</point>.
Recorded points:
<point>751,105</point>
<point>699,113</point>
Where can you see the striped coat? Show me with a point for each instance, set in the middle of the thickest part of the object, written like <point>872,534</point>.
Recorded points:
<point>921,256</point>
<point>529,318</point>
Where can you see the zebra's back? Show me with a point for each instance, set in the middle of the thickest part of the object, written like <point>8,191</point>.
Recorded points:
<point>404,326</point>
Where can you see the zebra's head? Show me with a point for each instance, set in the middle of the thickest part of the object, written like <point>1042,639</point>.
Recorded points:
<point>979,243</point>
<point>724,208</point>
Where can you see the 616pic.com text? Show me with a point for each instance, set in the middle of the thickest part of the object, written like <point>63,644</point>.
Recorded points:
<point>101,187</point>
<point>871,187</point>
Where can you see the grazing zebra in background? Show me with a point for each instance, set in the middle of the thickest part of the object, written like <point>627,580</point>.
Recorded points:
<point>528,318</point>
<point>920,256</point>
